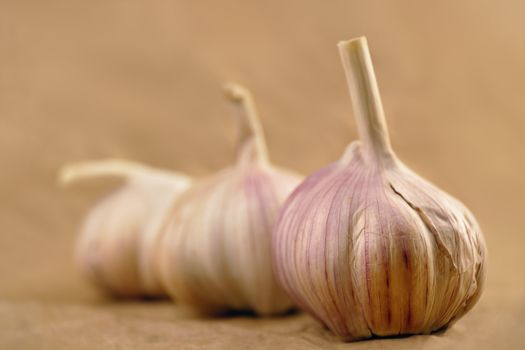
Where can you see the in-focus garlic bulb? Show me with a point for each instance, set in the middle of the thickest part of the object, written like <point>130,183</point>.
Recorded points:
<point>368,247</point>
<point>116,246</point>
<point>215,253</point>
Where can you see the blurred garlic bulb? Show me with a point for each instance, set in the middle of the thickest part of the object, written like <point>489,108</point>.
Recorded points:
<point>215,254</point>
<point>368,247</point>
<point>119,236</point>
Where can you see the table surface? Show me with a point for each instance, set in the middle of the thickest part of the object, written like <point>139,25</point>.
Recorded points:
<point>141,80</point>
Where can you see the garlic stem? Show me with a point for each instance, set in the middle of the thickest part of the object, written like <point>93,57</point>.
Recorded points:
<point>366,100</point>
<point>250,129</point>
<point>109,167</point>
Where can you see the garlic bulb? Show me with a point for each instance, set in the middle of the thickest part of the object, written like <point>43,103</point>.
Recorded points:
<point>368,247</point>
<point>116,247</point>
<point>216,249</point>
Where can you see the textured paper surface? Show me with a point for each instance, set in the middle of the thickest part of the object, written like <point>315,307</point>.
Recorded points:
<point>141,80</point>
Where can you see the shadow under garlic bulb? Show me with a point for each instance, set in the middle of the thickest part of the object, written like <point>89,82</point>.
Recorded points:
<point>116,246</point>
<point>368,247</point>
<point>216,250</point>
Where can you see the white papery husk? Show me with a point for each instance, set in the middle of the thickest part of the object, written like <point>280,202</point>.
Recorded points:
<point>215,254</point>
<point>117,241</point>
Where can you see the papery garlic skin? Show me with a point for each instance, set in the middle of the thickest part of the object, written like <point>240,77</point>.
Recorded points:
<point>216,250</point>
<point>119,237</point>
<point>368,247</point>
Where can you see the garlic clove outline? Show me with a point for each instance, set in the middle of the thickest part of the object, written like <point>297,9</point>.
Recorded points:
<point>215,254</point>
<point>119,237</point>
<point>368,247</point>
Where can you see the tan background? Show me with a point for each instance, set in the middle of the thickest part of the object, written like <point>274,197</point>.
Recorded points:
<point>141,80</point>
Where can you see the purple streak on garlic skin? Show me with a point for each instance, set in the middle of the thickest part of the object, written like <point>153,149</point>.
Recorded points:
<point>368,247</point>
<point>118,239</point>
<point>216,250</point>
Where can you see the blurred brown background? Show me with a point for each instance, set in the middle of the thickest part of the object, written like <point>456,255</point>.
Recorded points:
<point>141,80</point>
